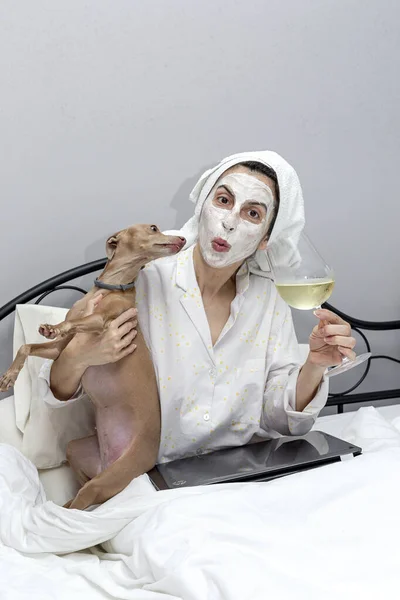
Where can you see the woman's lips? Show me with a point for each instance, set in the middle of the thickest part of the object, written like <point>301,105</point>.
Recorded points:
<point>220,245</point>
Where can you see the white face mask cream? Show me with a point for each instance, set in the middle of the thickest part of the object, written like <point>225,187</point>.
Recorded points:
<point>234,219</point>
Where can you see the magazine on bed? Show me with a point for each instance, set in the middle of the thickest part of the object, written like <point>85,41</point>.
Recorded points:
<point>261,461</point>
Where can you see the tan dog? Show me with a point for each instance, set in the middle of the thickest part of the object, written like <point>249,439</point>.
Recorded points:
<point>124,394</point>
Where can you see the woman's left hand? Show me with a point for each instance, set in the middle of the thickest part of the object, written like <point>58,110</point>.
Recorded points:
<point>330,340</point>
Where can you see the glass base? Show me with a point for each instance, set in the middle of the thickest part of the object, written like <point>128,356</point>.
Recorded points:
<point>348,364</point>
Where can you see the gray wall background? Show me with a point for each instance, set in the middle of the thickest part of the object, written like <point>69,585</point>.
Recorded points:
<point>109,111</point>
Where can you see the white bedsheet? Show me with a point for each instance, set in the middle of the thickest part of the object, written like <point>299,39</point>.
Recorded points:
<point>327,533</point>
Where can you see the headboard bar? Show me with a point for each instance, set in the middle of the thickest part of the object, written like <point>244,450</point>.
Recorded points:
<point>96,265</point>
<point>367,325</point>
<point>50,284</point>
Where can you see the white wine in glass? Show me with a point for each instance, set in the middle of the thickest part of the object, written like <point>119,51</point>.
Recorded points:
<point>308,294</point>
<point>306,284</point>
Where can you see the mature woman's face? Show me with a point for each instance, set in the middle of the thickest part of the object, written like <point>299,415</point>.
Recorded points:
<point>235,217</point>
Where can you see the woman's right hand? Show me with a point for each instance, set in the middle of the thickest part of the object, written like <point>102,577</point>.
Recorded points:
<point>116,342</point>
<point>87,350</point>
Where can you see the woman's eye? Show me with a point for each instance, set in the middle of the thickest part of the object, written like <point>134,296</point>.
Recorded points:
<point>254,214</point>
<point>222,199</point>
<point>154,228</point>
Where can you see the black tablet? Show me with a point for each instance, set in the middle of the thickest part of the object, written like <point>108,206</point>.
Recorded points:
<point>254,462</point>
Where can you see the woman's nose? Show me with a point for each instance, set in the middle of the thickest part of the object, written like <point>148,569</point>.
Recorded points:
<point>227,227</point>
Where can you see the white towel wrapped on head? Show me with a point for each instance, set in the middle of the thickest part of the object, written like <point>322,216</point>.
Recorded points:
<point>289,222</point>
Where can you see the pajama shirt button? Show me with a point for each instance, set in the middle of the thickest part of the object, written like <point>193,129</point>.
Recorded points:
<point>206,417</point>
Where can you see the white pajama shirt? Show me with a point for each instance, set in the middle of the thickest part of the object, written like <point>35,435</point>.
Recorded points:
<point>242,388</point>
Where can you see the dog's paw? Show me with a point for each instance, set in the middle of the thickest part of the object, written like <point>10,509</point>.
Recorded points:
<point>49,331</point>
<point>89,495</point>
<point>7,380</point>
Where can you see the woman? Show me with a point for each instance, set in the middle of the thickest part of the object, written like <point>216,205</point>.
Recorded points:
<point>222,340</point>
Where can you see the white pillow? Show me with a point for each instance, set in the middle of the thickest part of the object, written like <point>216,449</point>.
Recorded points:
<point>60,483</point>
<point>9,434</point>
<point>46,430</point>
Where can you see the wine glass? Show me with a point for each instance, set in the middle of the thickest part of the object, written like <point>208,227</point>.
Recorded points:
<point>306,284</point>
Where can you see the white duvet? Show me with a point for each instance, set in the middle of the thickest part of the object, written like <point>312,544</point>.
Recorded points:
<point>332,532</point>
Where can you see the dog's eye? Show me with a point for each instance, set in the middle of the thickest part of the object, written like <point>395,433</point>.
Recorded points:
<point>154,228</point>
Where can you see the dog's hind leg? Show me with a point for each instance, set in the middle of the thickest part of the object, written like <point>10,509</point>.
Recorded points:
<point>83,456</point>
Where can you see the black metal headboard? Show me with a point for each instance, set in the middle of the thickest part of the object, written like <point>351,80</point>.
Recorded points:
<point>62,280</point>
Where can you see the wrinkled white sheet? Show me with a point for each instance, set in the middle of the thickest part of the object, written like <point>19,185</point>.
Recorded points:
<point>327,533</point>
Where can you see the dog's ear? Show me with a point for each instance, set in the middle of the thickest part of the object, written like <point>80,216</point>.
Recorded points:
<point>111,245</point>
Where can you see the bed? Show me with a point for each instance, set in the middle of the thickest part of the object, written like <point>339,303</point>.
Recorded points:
<point>325,533</point>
